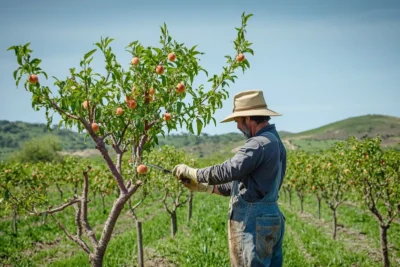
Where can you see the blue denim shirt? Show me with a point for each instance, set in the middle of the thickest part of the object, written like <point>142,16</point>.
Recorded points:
<point>254,166</point>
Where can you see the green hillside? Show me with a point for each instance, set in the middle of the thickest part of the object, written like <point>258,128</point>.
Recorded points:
<point>13,134</point>
<point>361,127</point>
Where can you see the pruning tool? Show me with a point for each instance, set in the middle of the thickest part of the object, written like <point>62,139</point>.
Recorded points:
<point>184,180</point>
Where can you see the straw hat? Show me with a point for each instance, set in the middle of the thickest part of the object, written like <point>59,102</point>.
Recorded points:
<point>250,103</point>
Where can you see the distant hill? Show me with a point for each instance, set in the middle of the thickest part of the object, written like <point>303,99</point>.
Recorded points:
<point>361,127</point>
<point>13,134</point>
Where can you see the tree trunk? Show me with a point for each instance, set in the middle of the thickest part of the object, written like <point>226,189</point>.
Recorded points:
<point>301,204</point>
<point>174,226</point>
<point>76,188</point>
<point>384,245</point>
<point>104,204</point>
<point>290,198</point>
<point>319,207</point>
<point>14,223</point>
<point>334,223</point>
<point>96,260</point>
<point>284,195</point>
<point>190,207</point>
<point>139,243</point>
<point>60,192</point>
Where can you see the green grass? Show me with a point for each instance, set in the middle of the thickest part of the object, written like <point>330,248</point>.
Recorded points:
<point>202,242</point>
<point>358,222</point>
<point>323,250</point>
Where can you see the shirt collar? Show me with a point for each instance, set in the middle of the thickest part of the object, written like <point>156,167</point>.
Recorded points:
<point>268,128</point>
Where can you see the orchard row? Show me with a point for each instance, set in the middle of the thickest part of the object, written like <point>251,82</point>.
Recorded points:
<point>357,171</point>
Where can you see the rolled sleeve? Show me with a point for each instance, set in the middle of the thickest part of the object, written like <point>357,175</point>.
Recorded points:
<point>225,189</point>
<point>242,163</point>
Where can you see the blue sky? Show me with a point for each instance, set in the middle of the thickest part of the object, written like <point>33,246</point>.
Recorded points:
<point>316,61</point>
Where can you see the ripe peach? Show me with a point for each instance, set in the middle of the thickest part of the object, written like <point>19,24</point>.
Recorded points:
<point>33,78</point>
<point>171,56</point>
<point>135,61</point>
<point>152,91</point>
<point>95,127</point>
<point>180,88</point>
<point>142,169</point>
<point>85,104</point>
<point>160,69</point>
<point>132,103</point>
<point>120,111</point>
<point>240,57</point>
<point>127,98</point>
<point>167,116</point>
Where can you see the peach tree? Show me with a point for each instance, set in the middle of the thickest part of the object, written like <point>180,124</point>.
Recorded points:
<point>376,178</point>
<point>127,107</point>
<point>22,188</point>
<point>334,180</point>
<point>174,193</point>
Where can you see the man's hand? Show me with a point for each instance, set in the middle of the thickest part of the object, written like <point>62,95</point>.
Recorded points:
<point>188,177</point>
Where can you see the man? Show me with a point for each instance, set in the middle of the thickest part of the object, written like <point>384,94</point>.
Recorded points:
<point>252,178</point>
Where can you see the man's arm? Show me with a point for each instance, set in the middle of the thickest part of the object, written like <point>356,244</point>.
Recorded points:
<point>223,189</point>
<point>243,162</point>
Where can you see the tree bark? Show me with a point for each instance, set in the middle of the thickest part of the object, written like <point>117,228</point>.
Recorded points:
<point>174,226</point>
<point>14,223</point>
<point>60,192</point>
<point>334,223</point>
<point>96,260</point>
<point>384,245</point>
<point>104,203</point>
<point>301,203</point>
<point>190,207</point>
<point>139,243</point>
<point>319,207</point>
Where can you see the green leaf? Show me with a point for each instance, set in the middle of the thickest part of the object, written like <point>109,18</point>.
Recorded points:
<point>88,54</point>
<point>199,126</point>
<point>35,61</point>
<point>179,107</point>
<point>215,122</point>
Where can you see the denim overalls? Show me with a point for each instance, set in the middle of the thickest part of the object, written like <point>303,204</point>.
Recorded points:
<point>256,229</point>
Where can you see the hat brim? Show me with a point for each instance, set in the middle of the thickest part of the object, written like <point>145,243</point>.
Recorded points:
<point>252,112</point>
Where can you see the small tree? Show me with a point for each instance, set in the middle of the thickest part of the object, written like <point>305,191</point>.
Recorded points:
<point>314,172</point>
<point>22,186</point>
<point>174,194</point>
<point>299,162</point>
<point>376,175</point>
<point>128,108</point>
<point>334,180</point>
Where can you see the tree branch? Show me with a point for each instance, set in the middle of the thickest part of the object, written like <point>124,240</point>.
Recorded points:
<point>84,219</point>
<point>69,115</point>
<point>165,203</point>
<point>103,150</point>
<point>60,208</point>
<point>78,220</point>
<point>78,241</point>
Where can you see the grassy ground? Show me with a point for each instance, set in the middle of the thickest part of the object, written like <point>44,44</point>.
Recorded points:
<point>203,241</point>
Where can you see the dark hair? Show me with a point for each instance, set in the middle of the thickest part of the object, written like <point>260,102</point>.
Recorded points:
<point>260,119</point>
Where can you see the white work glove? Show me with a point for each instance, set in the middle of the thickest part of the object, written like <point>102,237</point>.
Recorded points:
<point>188,177</point>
